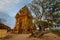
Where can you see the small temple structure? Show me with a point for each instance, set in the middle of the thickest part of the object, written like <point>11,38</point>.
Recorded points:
<point>23,21</point>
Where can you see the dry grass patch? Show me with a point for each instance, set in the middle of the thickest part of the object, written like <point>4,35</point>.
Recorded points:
<point>3,33</point>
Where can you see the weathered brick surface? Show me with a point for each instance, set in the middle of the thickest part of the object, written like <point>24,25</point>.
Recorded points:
<point>23,18</point>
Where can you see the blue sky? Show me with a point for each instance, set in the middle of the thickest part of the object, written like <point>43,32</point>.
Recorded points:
<point>9,8</point>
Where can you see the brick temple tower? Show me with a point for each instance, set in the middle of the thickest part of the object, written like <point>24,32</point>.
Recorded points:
<point>23,20</point>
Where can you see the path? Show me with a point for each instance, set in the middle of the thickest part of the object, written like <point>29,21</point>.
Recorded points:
<point>49,36</point>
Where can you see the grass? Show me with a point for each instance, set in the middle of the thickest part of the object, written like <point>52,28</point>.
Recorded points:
<point>3,33</point>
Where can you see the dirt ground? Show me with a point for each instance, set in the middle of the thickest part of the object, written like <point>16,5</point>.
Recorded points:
<point>49,36</point>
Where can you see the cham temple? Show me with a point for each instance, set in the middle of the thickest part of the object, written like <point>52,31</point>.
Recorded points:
<point>23,20</point>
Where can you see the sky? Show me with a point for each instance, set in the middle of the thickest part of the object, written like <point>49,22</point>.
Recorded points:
<point>9,8</point>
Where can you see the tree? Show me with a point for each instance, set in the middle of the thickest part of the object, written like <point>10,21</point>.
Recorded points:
<point>46,8</point>
<point>50,9</point>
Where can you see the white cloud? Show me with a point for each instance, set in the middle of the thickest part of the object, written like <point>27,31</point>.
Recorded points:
<point>17,1</point>
<point>10,5</point>
<point>6,1</point>
<point>7,5</point>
